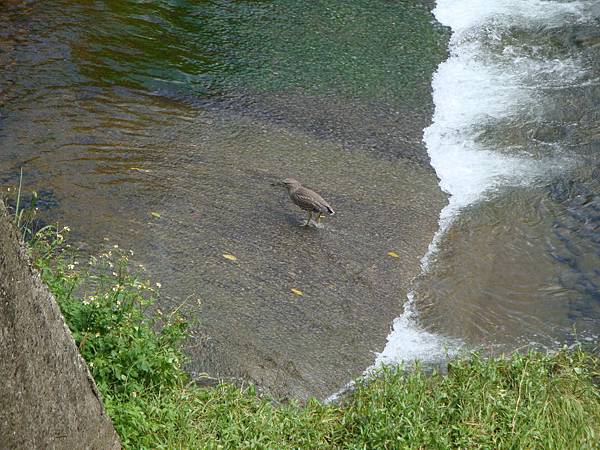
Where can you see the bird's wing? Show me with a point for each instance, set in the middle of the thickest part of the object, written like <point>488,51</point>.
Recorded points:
<point>310,200</point>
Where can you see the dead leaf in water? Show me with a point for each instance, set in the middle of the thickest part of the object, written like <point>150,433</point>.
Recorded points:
<point>155,214</point>
<point>393,254</point>
<point>229,256</point>
<point>297,291</point>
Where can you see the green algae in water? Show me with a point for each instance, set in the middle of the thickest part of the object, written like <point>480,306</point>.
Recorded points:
<point>366,49</point>
<point>373,50</point>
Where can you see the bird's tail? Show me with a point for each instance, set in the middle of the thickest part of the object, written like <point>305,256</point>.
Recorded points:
<point>330,210</point>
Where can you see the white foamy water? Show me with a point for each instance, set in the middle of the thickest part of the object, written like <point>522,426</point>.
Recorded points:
<point>473,87</point>
<point>463,14</point>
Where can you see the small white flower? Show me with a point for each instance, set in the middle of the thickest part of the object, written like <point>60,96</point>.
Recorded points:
<point>71,266</point>
<point>158,285</point>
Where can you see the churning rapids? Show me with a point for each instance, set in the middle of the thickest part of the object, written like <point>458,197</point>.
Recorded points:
<point>515,143</point>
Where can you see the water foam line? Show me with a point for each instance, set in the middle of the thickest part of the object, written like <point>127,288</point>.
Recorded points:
<point>471,88</point>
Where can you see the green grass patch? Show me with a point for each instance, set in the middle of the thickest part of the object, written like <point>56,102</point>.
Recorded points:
<point>135,354</point>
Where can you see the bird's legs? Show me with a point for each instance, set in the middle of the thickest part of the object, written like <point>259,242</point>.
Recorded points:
<point>309,219</point>
<point>319,217</point>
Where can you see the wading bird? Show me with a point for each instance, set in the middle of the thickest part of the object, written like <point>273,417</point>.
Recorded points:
<point>306,199</point>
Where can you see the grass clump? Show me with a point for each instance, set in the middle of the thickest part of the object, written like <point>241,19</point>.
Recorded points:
<point>130,353</point>
<point>135,354</point>
<point>528,400</point>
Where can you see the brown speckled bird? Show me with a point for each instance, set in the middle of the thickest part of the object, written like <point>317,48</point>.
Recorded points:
<point>306,199</point>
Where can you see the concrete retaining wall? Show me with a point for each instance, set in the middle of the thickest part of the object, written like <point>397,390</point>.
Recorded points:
<point>48,398</point>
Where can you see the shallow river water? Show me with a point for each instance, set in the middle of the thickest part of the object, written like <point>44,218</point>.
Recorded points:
<point>160,126</point>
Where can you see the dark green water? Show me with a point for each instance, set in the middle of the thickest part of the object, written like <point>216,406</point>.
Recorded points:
<point>376,51</point>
